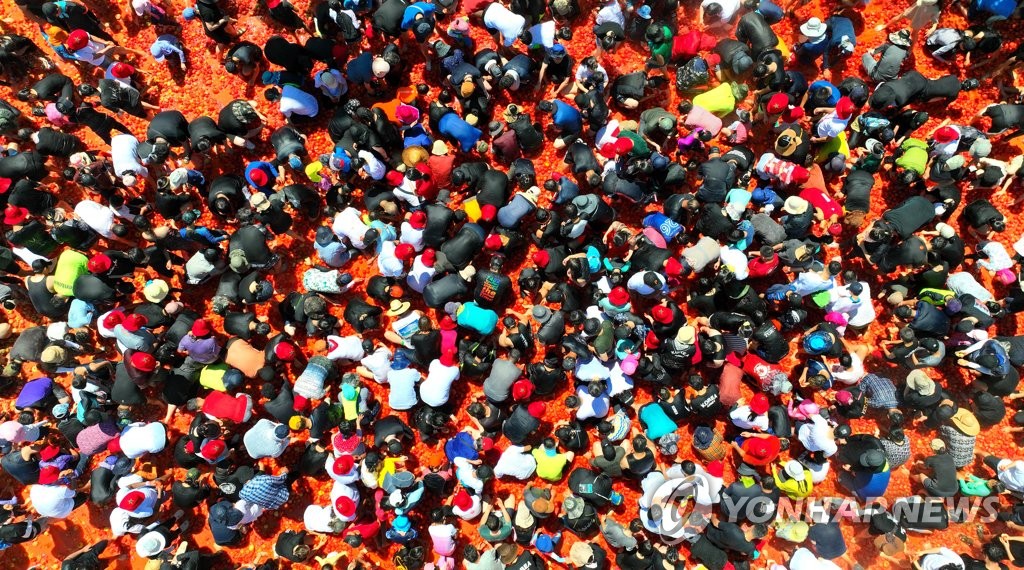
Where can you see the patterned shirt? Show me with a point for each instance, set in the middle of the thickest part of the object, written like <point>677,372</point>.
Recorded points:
<point>896,453</point>
<point>960,446</point>
<point>880,391</point>
<point>268,491</point>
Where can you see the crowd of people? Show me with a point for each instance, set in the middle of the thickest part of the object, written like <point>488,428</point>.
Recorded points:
<point>460,287</point>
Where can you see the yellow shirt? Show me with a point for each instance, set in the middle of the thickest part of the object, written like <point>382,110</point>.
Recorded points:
<point>549,467</point>
<point>718,101</point>
<point>791,487</point>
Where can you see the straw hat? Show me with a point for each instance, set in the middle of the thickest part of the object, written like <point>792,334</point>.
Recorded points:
<point>965,421</point>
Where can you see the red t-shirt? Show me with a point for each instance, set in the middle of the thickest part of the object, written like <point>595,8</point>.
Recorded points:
<point>226,407</point>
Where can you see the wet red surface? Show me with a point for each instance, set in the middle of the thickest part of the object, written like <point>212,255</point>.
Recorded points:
<point>205,88</point>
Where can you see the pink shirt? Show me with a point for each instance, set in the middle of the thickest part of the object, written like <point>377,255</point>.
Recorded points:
<point>701,117</point>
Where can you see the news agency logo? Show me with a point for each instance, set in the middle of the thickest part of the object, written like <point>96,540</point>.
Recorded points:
<point>680,509</point>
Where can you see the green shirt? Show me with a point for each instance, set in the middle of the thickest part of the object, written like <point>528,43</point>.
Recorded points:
<point>663,49</point>
<point>974,486</point>
<point>915,155</point>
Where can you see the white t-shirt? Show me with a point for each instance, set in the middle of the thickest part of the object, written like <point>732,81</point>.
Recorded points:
<point>348,223</point>
<point>402,388</point>
<point>804,559</point>
<point>1012,475</point>
<point>372,165</point>
<point>515,462</point>
<point>318,519</point>
<point>611,12</point>
<point>52,501</point>
<point>378,363</point>
<point>140,438</point>
<point>940,559</point>
<point>816,436</point>
<point>591,407</point>
<point>729,7</point>
<point>736,261</point>
<point>435,390</point>
<point>741,418</point>
<point>97,216</point>
<point>388,264</point>
<point>121,523</point>
<point>543,33</point>
<point>297,101</point>
<point>345,347</point>
<point>501,19</point>
<point>88,54</point>
<point>124,155</point>
<point>860,313</point>
<point>420,275</point>
<point>411,236</point>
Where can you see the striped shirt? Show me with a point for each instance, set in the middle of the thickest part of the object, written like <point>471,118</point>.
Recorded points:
<point>880,391</point>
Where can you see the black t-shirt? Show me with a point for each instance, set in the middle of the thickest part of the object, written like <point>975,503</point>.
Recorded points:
<point>828,540</point>
<point>426,345</point>
<point>125,391</point>
<point>857,187</point>
<point>729,536</point>
<point>171,125</point>
<point>519,425</point>
<point>708,554</point>
<point>188,496</point>
<point>718,177</point>
<point>943,478</point>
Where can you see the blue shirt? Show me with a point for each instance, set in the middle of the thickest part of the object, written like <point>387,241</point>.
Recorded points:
<point>567,117</point>
<point>462,445</point>
<point>477,318</point>
<point>413,10</point>
<point>833,98</point>
<point>334,254</point>
<point>360,68</point>
<point>665,225</point>
<point>455,127</point>
<point>80,313</point>
<point>656,421</point>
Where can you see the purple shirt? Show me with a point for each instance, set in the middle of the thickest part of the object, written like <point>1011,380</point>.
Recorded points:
<point>203,350</point>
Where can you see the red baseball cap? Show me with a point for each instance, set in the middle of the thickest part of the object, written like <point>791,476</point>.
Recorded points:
<point>759,404</point>
<point>429,256</point>
<point>99,263</point>
<point>537,409</point>
<point>134,322</point>
<point>122,70</point>
<point>201,328</point>
<point>14,215</point>
<point>448,323</point>
<point>213,449</point>
<point>48,475</point>
<point>448,358</point>
<point>132,500</point>
<point>343,464</point>
<point>284,350</point>
<point>345,506</point>
<point>673,267</point>
<point>778,103</point>
<point>493,242</point>
<point>77,40</point>
<point>662,314</point>
<point>259,177</point>
<point>418,219</point>
<point>486,444</point>
<point>143,361</point>
<point>845,108</point>
<point>623,145</point>
<point>404,251</point>
<point>394,178</point>
<point>946,134</point>
<point>716,468</point>
<point>462,500</point>
<point>618,296</point>
<point>113,319</point>
<point>801,175</point>
<point>541,258</point>
<point>487,212</point>
<point>522,389</point>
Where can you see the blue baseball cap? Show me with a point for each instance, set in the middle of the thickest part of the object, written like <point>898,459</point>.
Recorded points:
<point>557,49</point>
<point>644,12</point>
